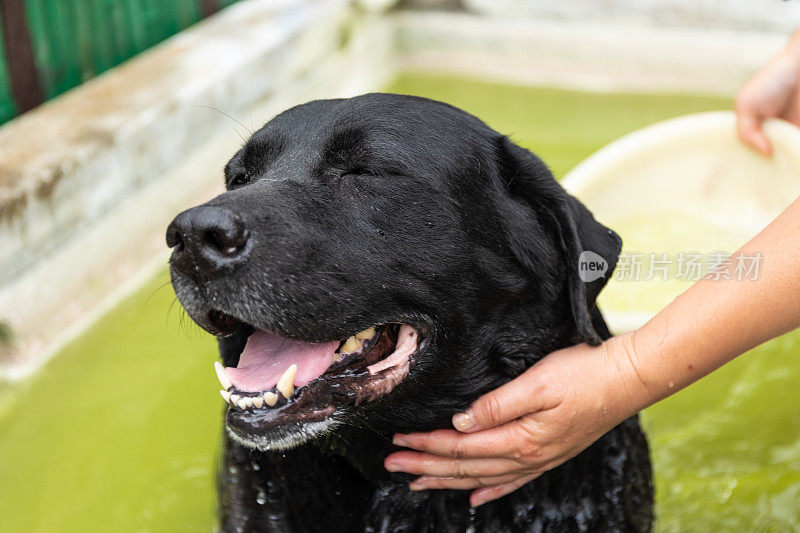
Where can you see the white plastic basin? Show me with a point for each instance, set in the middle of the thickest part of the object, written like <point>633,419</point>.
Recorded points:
<point>686,185</point>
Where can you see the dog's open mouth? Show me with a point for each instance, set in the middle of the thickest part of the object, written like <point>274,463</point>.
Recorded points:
<point>280,381</point>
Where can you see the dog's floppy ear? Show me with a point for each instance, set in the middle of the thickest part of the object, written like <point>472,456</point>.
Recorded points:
<point>589,249</point>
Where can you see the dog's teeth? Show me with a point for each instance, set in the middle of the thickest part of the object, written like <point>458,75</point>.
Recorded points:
<point>222,376</point>
<point>242,403</point>
<point>286,383</point>
<point>258,401</point>
<point>248,401</point>
<point>234,399</point>
<point>226,395</point>
<point>336,357</point>
<point>366,334</point>
<point>350,345</point>
<point>270,398</point>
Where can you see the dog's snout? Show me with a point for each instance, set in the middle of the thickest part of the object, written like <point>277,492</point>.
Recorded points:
<point>206,237</point>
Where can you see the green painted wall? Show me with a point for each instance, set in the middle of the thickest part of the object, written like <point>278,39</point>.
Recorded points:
<point>7,107</point>
<point>74,40</point>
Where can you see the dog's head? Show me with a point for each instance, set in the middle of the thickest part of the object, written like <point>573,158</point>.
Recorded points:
<point>380,259</point>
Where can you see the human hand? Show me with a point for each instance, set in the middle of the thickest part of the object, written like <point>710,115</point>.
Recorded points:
<point>537,421</point>
<point>774,92</point>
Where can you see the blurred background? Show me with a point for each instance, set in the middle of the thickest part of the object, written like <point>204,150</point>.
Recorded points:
<point>118,114</point>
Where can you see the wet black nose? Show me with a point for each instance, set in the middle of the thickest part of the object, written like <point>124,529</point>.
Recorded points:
<point>206,238</point>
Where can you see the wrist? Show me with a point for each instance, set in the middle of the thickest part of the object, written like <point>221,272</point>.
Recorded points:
<point>626,386</point>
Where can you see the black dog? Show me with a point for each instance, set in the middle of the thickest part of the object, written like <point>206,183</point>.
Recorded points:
<point>376,264</point>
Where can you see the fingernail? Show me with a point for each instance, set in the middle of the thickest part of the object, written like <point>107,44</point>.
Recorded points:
<point>463,421</point>
<point>477,502</point>
<point>393,467</point>
<point>399,441</point>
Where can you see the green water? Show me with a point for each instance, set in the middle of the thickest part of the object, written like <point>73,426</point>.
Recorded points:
<point>120,432</point>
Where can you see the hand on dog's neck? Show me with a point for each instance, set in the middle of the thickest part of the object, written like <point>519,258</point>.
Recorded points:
<point>508,353</point>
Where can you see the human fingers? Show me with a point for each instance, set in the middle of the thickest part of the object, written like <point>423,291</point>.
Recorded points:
<point>525,394</point>
<point>431,482</point>
<point>487,494</point>
<point>749,125</point>
<point>436,466</point>
<point>493,442</point>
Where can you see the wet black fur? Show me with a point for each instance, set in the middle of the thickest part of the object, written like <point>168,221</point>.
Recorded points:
<point>386,208</point>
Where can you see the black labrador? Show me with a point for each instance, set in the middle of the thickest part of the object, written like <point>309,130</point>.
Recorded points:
<point>375,265</point>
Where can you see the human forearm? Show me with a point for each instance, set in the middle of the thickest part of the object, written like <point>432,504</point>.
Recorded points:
<point>715,320</point>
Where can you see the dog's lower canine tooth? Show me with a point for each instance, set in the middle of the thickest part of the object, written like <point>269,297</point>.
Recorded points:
<point>286,383</point>
<point>270,398</point>
<point>226,395</point>
<point>258,401</point>
<point>350,345</point>
<point>366,334</point>
<point>222,376</point>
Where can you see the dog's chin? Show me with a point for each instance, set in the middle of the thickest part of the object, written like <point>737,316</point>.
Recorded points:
<point>281,437</point>
<point>285,391</point>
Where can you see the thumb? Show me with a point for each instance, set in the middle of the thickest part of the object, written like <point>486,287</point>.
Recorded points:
<point>752,133</point>
<point>516,398</point>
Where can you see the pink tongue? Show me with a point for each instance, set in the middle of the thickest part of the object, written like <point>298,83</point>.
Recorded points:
<point>266,357</point>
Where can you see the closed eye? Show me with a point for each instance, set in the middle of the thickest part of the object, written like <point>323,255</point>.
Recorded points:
<point>353,172</point>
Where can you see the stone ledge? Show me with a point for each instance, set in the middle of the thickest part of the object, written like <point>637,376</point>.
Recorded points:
<point>74,158</point>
